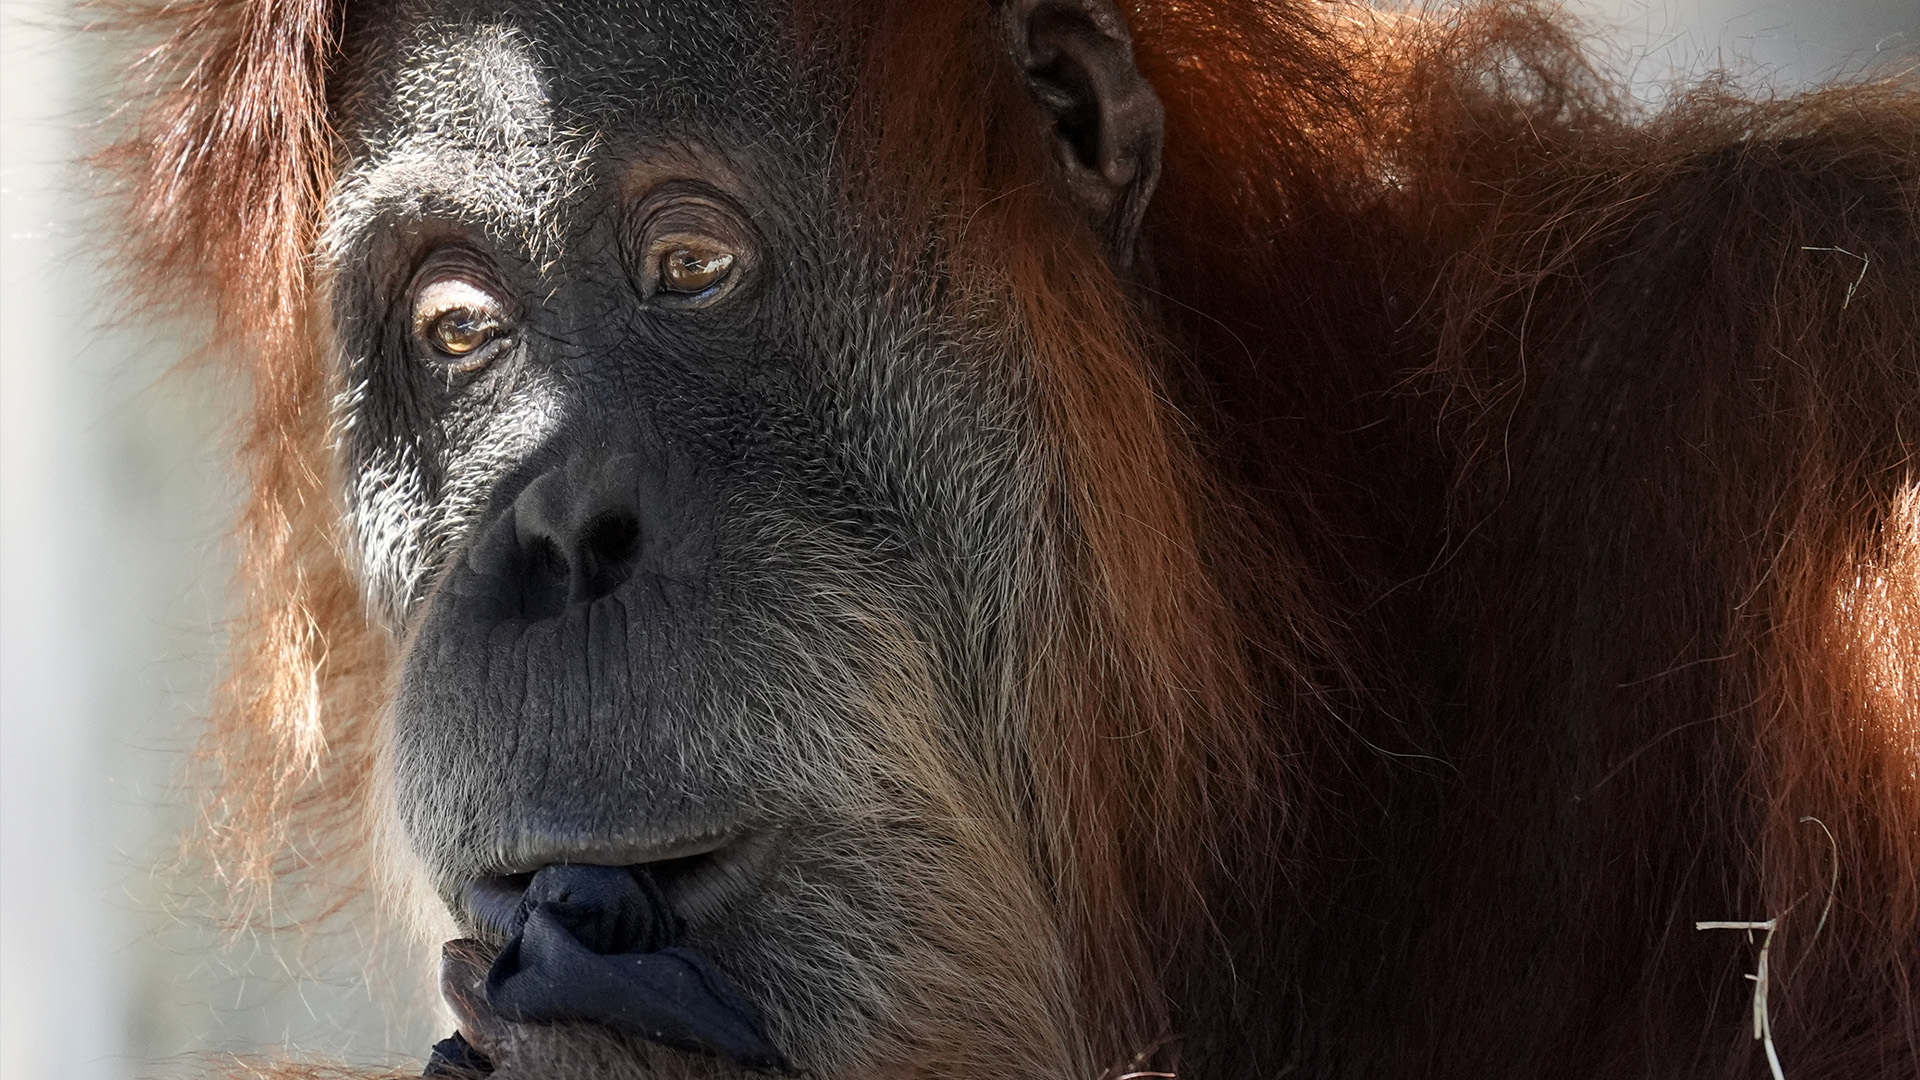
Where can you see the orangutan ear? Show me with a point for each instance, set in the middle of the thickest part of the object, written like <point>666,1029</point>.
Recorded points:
<point>1103,120</point>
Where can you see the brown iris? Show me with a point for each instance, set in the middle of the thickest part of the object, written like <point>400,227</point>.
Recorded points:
<point>459,322</point>
<point>462,331</point>
<point>691,268</point>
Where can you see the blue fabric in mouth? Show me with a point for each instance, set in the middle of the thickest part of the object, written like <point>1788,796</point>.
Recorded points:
<point>597,944</point>
<point>456,1059</point>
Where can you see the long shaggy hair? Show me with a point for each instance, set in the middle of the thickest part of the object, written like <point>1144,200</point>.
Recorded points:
<point>1362,217</point>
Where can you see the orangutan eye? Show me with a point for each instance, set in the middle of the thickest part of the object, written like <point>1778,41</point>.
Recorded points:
<point>693,268</point>
<point>691,247</point>
<point>458,323</point>
<point>463,330</point>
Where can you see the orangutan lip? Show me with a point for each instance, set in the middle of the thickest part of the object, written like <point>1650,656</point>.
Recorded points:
<point>698,877</point>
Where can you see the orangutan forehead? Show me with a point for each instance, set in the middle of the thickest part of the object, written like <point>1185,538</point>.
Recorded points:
<point>497,114</point>
<point>468,132</point>
<point>630,54</point>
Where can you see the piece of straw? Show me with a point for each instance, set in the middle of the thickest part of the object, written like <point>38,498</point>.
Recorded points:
<point>1762,1026</point>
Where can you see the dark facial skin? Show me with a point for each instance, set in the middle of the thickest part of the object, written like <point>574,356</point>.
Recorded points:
<point>703,539</point>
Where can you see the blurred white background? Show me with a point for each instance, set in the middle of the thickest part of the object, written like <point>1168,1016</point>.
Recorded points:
<point>113,587</point>
<point>113,590</point>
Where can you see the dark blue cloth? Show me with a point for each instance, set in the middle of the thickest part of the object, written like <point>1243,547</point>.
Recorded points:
<point>595,943</point>
<point>456,1059</point>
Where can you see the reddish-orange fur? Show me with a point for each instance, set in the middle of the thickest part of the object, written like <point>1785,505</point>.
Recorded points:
<point>1356,226</point>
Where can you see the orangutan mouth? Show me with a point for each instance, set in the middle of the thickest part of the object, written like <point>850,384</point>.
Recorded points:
<point>602,944</point>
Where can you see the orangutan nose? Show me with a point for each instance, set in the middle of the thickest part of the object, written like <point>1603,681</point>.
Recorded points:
<point>578,531</point>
